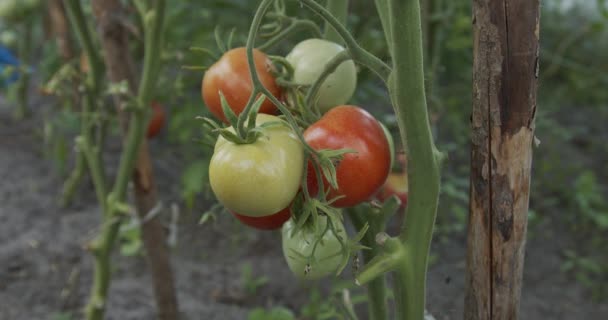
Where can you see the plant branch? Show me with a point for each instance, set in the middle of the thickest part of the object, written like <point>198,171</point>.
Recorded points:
<point>406,87</point>
<point>293,27</point>
<point>358,54</point>
<point>339,9</point>
<point>385,19</point>
<point>85,143</point>
<point>376,288</point>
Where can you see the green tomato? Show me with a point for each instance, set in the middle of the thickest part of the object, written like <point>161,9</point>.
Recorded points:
<point>298,244</point>
<point>260,178</point>
<point>309,58</point>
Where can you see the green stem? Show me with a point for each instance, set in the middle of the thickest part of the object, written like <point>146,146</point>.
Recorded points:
<point>25,48</point>
<point>406,87</point>
<point>384,14</point>
<point>376,288</point>
<point>339,9</point>
<point>76,16</point>
<point>102,246</point>
<point>293,27</point>
<point>74,178</point>
<point>93,158</point>
<point>85,143</point>
<point>358,54</point>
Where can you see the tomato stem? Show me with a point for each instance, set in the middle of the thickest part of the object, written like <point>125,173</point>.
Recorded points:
<point>294,25</point>
<point>376,288</point>
<point>358,54</point>
<point>103,244</point>
<point>339,9</point>
<point>407,91</point>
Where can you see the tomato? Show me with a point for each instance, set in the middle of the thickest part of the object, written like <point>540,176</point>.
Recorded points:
<point>269,222</point>
<point>299,244</point>
<point>157,120</point>
<point>230,75</point>
<point>359,175</point>
<point>309,58</point>
<point>260,178</point>
<point>396,185</point>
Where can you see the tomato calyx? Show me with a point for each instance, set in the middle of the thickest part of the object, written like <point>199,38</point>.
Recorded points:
<point>241,133</point>
<point>320,220</point>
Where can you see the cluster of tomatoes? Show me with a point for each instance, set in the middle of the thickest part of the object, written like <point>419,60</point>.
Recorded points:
<point>259,182</point>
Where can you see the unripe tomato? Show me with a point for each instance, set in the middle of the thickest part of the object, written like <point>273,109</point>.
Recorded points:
<point>359,175</point>
<point>298,244</point>
<point>260,178</point>
<point>269,222</point>
<point>309,58</point>
<point>157,120</point>
<point>230,75</point>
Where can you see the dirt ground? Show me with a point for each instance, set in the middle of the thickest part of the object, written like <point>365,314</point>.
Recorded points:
<point>45,271</point>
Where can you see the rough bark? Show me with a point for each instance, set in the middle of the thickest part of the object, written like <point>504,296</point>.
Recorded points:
<point>505,71</point>
<point>110,16</point>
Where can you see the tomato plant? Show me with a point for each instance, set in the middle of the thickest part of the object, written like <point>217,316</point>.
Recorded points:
<point>298,246</point>
<point>360,174</point>
<point>309,58</point>
<point>269,222</point>
<point>230,75</point>
<point>157,120</point>
<point>259,178</point>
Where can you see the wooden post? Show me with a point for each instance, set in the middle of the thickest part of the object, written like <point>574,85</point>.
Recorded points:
<point>505,71</point>
<point>115,42</point>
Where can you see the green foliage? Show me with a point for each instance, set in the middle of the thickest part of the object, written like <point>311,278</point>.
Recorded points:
<point>336,304</point>
<point>250,282</point>
<point>276,313</point>
<point>589,271</point>
<point>590,201</point>
<point>195,180</point>
<point>130,238</point>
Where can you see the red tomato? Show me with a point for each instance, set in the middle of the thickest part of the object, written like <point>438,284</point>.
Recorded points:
<point>396,184</point>
<point>271,222</point>
<point>359,175</point>
<point>230,75</point>
<point>157,120</point>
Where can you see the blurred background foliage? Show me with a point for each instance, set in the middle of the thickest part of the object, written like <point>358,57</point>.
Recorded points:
<point>569,184</point>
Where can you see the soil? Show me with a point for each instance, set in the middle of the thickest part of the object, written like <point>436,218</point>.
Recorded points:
<point>46,272</point>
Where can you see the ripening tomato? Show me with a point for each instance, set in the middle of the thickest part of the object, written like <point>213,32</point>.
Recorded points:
<point>269,222</point>
<point>308,59</point>
<point>260,178</point>
<point>395,185</point>
<point>230,75</point>
<point>298,244</point>
<point>359,175</point>
<point>157,120</point>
